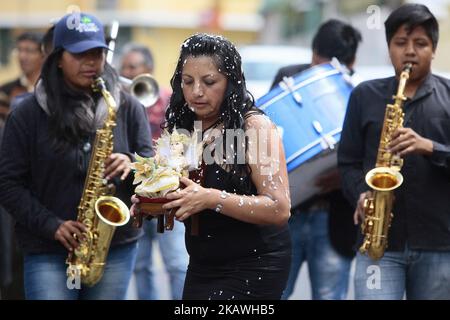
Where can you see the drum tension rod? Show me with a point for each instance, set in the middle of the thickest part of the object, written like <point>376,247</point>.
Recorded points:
<point>342,69</point>
<point>288,85</point>
<point>327,139</point>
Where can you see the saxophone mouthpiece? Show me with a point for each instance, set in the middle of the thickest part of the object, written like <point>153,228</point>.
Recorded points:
<point>98,84</point>
<point>408,67</point>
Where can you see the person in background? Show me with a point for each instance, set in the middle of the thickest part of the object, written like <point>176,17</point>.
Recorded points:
<point>30,58</point>
<point>322,228</point>
<point>417,259</point>
<point>136,60</point>
<point>46,47</point>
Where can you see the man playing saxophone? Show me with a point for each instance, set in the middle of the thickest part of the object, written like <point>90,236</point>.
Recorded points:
<point>45,158</point>
<point>417,259</point>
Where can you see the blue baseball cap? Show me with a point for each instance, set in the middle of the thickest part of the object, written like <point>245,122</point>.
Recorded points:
<point>78,32</point>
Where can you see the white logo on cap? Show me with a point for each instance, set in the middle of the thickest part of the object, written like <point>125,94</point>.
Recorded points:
<point>73,20</point>
<point>81,24</point>
<point>87,27</point>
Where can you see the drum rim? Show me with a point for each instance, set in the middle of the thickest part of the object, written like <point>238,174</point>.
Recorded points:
<point>299,85</point>
<point>311,145</point>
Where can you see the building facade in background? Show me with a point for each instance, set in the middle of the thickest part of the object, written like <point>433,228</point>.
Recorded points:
<point>162,25</point>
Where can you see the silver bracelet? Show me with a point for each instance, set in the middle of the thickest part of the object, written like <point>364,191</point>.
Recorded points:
<point>223,195</point>
<point>219,208</point>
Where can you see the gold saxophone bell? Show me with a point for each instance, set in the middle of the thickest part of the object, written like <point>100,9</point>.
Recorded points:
<point>112,211</point>
<point>143,87</point>
<point>384,179</point>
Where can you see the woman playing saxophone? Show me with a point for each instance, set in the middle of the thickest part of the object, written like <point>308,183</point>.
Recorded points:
<point>45,157</point>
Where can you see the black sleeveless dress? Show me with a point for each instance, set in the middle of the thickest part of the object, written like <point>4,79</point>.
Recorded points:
<point>231,259</point>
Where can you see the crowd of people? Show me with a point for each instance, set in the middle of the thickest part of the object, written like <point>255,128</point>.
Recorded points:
<point>236,236</point>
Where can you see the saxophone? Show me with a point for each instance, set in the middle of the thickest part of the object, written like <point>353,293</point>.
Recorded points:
<point>384,179</point>
<point>98,211</point>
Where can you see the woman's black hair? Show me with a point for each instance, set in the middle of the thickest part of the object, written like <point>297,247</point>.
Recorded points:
<point>412,15</point>
<point>47,41</point>
<point>237,100</point>
<point>64,128</point>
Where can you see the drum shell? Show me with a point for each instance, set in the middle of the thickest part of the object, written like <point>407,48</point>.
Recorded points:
<point>324,92</point>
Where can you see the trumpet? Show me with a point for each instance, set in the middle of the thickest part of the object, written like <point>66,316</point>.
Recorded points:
<point>143,87</point>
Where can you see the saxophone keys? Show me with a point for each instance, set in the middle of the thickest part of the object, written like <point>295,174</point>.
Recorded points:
<point>81,250</point>
<point>88,222</point>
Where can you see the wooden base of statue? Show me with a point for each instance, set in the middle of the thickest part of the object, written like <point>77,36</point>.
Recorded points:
<point>147,206</point>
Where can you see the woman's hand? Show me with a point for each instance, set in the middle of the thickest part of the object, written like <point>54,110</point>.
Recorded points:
<point>136,209</point>
<point>117,164</point>
<point>192,199</point>
<point>69,233</point>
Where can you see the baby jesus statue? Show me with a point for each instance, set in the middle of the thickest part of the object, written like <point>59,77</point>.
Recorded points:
<point>175,154</point>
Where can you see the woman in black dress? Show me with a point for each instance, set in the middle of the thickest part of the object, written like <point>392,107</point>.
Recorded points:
<point>240,245</point>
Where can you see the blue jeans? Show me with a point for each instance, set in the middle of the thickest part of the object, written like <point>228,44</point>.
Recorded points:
<point>416,273</point>
<point>329,271</point>
<point>46,279</point>
<point>175,257</point>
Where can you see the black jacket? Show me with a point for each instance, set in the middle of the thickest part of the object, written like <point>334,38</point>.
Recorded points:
<point>41,188</point>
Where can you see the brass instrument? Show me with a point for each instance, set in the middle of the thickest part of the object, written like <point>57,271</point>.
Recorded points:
<point>146,89</point>
<point>143,87</point>
<point>98,211</point>
<point>384,178</point>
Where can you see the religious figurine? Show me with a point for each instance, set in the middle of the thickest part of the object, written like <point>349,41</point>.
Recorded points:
<point>175,155</point>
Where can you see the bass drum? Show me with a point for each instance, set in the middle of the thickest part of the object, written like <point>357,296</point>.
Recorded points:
<point>309,110</point>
